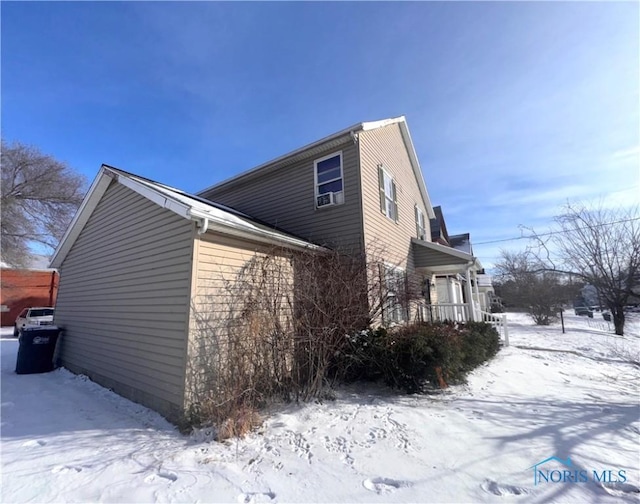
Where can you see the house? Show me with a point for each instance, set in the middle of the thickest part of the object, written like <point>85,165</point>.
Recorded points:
<point>147,270</point>
<point>359,189</point>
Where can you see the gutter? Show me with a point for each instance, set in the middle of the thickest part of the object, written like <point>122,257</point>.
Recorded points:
<point>204,226</point>
<point>207,223</point>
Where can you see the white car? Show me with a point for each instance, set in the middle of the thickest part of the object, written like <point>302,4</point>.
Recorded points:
<point>33,317</point>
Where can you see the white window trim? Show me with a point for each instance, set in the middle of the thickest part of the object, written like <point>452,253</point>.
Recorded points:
<point>397,306</point>
<point>395,218</point>
<point>315,179</point>
<point>421,225</point>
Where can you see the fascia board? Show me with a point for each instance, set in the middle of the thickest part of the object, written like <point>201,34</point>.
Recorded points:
<point>89,203</point>
<point>366,126</point>
<point>157,197</point>
<point>444,250</point>
<point>271,238</point>
<point>413,157</point>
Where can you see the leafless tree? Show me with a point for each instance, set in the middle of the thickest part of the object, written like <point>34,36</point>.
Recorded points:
<point>602,247</point>
<point>527,282</point>
<point>39,197</point>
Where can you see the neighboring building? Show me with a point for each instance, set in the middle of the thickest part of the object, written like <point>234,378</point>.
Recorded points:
<point>142,264</point>
<point>487,299</point>
<point>23,288</point>
<point>453,289</point>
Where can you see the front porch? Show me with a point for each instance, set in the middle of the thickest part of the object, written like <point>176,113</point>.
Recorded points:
<point>437,261</point>
<point>463,312</point>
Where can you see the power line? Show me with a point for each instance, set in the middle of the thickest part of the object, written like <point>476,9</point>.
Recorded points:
<point>554,232</point>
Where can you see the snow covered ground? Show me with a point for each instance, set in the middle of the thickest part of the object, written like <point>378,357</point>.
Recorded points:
<point>573,395</point>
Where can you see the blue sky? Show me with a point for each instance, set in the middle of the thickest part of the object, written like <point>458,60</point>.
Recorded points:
<point>513,107</point>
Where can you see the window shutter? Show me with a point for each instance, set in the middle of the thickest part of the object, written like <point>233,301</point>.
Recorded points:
<point>395,202</point>
<point>383,207</point>
<point>415,210</point>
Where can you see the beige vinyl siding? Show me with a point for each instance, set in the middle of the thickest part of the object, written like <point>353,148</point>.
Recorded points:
<point>285,197</point>
<point>217,306</point>
<point>385,146</point>
<point>218,263</point>
<point>124,300</point>
<point>382,235</point>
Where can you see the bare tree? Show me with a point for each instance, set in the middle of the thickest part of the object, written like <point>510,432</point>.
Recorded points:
<point>527,282</point>
<point>39,197</point>
<point>602,247</point>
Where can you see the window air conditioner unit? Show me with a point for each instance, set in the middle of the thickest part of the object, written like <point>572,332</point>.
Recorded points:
<point>326,199</point>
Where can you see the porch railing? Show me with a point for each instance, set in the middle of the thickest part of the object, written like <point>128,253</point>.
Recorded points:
<point>497,320</point>
<point>456,312</point>
<point>461,312</point>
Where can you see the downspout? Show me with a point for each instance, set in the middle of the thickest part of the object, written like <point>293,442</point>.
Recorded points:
<point>204,225</point>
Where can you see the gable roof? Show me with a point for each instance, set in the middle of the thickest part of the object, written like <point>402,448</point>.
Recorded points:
<point>438,225</point>
<point>437,257</point>
<point>210,216</point>
<point>461,242</point>
<point>336,139</point>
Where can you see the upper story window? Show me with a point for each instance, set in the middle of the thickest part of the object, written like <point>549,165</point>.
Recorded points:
<point>329,180</point>
<point>421,229</point>
<point>388,198</point>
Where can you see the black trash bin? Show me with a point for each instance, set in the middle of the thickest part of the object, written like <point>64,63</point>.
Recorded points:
<point>37,346</point>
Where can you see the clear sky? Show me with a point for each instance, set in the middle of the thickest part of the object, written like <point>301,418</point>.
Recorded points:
<point>513,107</point>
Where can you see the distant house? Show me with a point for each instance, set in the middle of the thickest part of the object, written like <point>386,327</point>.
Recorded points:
<point>136,263</point>
<point>455,288</point>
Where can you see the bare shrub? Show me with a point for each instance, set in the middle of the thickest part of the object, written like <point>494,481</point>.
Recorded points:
<point>525,282</point>
<point>274,328</point>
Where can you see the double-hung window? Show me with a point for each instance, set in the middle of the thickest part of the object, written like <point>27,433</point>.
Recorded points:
<point>329,180</point>
<point>421,229</point>
<point>394,310</point>
<point>388,197</point>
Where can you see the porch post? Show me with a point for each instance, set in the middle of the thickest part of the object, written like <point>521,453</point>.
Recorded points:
<point>472,306</point>
<point>475,287</point>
